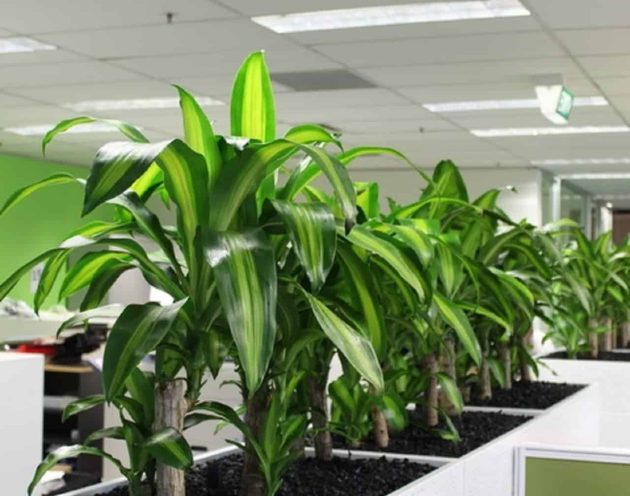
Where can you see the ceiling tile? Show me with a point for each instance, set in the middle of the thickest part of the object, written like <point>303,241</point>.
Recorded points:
<point>169,39</point>
<point>250,8</point>
<point>64,73</point>
<point>8,100</point>
<point>615,85</point>
<point>32,58</point>
<point>213,64</point>
<point>36,16</point>
<point>32,115</point>
<point>395,126</point>
<point>596,41</point>
<point>374,113</point>
<point>507,46</point>
<point>335,98</point>
<point>561,14</point>
<point>468,72</point>
<point>606,65</point>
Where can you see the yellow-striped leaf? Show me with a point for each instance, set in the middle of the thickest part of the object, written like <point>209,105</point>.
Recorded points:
<point>454,316</point>
<point>198,133</point>
<point>13,279</point>
<point>54,266</point>
<point>89,266</point>
<point>313,234</point>
<point>382,246</point>
<point>311,133</point>
<point>245,272</point>
<point>355,347</point>
<point>170,448</point>
<point>138,330</point>
<point>252,109</point>
<point>22,193</point>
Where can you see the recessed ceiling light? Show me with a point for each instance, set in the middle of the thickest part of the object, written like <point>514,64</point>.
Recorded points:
<point>596,176</point>
<point>40,130</point>
<point>136,104</point>
<point>20,44</point>
<point>524,103</point>
<point>389,15</point>
<point>546,131</point>
<point>581,161</point>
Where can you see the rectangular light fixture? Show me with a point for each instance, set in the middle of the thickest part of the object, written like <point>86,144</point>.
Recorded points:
<point>581,161</point>
<point>40,130</point>
<point>20,44</point>
<point>136,104</point>
<point>596,176</point>
<point>391,15</point>
<point>523,103</point>
<point>546,131</point>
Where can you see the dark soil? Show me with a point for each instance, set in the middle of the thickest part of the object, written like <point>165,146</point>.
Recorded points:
<point>536,394</point>
<point>608,356</point>
<point>307,477</point>
<point>475,430</point>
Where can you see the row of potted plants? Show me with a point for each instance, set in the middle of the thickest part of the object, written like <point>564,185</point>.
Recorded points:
<point>428,304</point>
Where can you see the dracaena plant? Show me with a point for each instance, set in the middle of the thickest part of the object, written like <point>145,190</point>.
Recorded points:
<point>219,263</point>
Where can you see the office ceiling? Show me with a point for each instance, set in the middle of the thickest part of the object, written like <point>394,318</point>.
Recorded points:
<point>120,49</point>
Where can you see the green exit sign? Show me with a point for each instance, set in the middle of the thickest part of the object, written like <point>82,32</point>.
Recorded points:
<point>565,103</point>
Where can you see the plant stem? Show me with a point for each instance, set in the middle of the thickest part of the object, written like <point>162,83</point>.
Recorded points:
<point>525,369</point>
<point>319,418</point>
<point>605,338</point>
<point>253,483</point>
<point>505,354</point>
<point>593,339</point>
<point>170,409</point>
<point>485,384</point>
<point>448,367</point>
<point>380,428</point>
<point>430,366</point>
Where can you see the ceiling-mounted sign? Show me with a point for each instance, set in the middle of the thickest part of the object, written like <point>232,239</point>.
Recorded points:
<point>556,102</point>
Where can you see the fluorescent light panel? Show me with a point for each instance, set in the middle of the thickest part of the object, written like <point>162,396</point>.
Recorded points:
<point>546,131</point>
<point>524,103</point>
<point>581,161</point>
<point>136,104</point>
<point>390,15</point>
<point>40,130</point>
<point>20,44</point>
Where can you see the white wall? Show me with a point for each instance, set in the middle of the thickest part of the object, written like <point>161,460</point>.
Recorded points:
<point>405,186</point>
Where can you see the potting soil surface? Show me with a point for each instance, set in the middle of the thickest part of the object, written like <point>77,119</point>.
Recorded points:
<point>609,356</point>
<point>475,429</point>
<point>535,394</point>
<point>307,477</point>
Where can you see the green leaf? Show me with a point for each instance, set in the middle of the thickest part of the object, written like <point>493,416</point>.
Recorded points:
<point>452,392</point>
<point>368,199</point>
<point>356,348</point>
<point>100,286</point>
<point>396,258</point>
<point>82,405</point>
<point>54,266</point>
<point>393,406</point>
<point>418,241</point>
<point>88,267</point>
<point>126,129</point>
<point>106,311</point>
<point>198,132</point>
<point>455,317</point>
<point>252,109</point>
<point>245,270</point>
<point>170,448</point>
<point>140,386</point>
<point>116,432</point>
<point>364,295</point>
<point>13,279</point>
<point>313,234</point>
<point>63,453</point>
<point>311,133</point>
<point>138,330</point>
<point>22,193</point>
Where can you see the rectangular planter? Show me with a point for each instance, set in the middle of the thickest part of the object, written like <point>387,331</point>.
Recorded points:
<point>613,379</point>
<point>486,471</point>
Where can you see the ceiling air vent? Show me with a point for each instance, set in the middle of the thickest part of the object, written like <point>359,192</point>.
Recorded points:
<point>321,80</point>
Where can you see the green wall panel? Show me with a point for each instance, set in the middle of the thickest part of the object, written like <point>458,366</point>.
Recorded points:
<point>39,222</point>
<point>548,477</point>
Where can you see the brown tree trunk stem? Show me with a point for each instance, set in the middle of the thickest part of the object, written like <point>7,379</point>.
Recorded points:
<point>505,354</point>
<point>170,409</point>
<point>380,428</point>
<point>485,384</point>
<point>593,339</point>
<point>319,418</point>
<point>253,483</point>
<point>430,366</point>
<point>605,338</point>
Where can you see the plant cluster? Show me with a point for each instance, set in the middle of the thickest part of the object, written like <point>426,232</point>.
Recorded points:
<point>424,304</point>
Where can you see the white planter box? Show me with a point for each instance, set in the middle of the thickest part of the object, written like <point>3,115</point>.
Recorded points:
<point>488,470</point>
<point>614,389</point>
<point>21,419</point>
